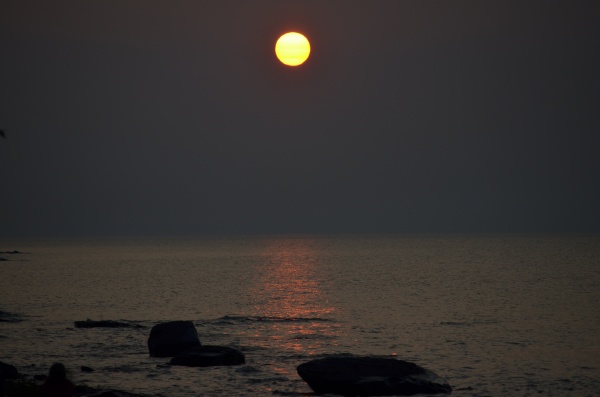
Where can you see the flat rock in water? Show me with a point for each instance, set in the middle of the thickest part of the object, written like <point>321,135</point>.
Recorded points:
<point>208,356</point>
<point>370,376</point>
<point>171,338</point>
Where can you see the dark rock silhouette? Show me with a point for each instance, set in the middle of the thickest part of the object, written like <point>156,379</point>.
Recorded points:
<point>7,371</point>
<point>57,384</point>
<point>104,324</point>
<point>172,338</point>
<point>207,356</point>
<point>370,376</point>
<point>86,369</point>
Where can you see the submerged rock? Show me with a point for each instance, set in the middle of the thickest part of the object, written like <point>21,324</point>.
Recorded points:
<point>370,376</point>
<point>207,356</point>
<point>172,338</point>
<point>104,324</point>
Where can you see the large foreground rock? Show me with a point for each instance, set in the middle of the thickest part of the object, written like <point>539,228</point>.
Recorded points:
<point>172,338</point>
<point>370,376</point>
<point>207,356</point>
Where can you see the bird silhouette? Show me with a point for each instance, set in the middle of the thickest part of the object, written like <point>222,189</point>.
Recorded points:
<point>2,133</point>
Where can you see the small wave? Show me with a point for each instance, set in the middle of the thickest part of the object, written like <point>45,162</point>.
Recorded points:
<point>313,336</point>
<point>6,317</point>
<point>271,379</point>
<point>252,319</point>
<point>107,324</point>
<point>455,323</point>
<point>253,348</point>
<point>467,323</point>
<point>247,369</point>
<point>126,368</point>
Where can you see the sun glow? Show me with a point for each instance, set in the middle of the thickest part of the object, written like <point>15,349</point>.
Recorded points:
<point>292,49</point>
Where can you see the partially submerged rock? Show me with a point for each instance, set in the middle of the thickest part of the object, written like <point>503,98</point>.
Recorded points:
<point>172,338</point>
<point>370,376</point>
<point>207,356</point>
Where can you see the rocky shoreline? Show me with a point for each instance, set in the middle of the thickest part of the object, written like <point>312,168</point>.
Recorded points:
<point>15,384</point>
<point>345,375</point>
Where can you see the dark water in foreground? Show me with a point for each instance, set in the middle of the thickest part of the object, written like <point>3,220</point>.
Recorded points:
<point>495,315</point>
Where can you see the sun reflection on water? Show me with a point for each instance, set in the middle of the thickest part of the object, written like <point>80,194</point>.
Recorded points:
<point>289,293</point>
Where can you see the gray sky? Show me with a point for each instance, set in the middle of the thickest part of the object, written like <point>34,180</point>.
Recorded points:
<point>175,118</point>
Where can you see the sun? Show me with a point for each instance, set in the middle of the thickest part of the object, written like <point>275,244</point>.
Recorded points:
<point>292,49</point>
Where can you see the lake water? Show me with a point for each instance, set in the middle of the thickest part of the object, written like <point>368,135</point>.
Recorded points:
<point>494,315</point>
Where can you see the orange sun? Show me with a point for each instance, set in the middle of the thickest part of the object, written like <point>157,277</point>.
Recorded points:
<point>292,49</point>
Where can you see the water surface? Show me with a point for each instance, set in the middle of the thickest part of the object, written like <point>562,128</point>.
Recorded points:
<point>495,315</point>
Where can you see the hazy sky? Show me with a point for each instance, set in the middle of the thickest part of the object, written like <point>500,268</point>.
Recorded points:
<point>175,118</point>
